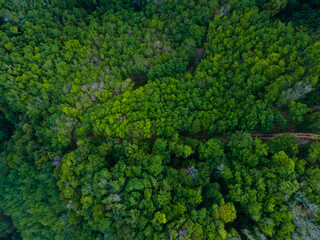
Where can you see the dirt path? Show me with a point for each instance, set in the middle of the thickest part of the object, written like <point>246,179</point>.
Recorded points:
<point>309,137</point>
<point>304,137</point>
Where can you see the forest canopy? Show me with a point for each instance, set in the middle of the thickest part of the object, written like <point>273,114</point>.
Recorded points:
<point>160,119</point>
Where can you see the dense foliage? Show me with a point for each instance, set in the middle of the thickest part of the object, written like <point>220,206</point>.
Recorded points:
<point>139,119</point>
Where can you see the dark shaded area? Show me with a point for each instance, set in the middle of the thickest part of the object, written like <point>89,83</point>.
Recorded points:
<point>6,128</point>
<point>302,13</point>
<point>199,54</point>
<point>139,80</point>
<point>7,230</point>
<point>312,98</point>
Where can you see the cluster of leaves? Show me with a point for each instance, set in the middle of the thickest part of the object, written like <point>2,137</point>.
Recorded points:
<point>252,68</point>
<point>141,196</point>
<point>102,123</point>
<point>29,192</point>
<point>188,188</point>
